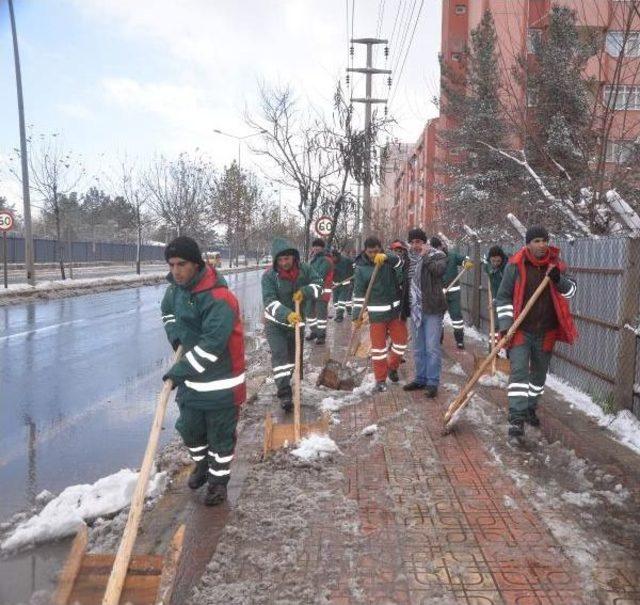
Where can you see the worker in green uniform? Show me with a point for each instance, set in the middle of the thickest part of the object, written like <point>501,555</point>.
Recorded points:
<point>316,309</point>
<point>342,283</point>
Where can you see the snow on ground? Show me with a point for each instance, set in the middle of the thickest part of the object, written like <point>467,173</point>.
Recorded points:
<point>456,369</point>
<point>499,380</point>
<point>341,399</point>
<point>586,510</point>
<point>624,425</point>
<point>370,430</point>
<point>315,446</point>
<point>259,557</point>
<point>63,515</point>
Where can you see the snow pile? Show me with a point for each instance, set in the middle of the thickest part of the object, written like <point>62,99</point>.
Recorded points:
<point>624,425</point>
<point>370,430</point>
<point>314,447</point>
<point>457,370</point>
<point>500,380</point>
<point>342,399</point>
<point>63,515</point>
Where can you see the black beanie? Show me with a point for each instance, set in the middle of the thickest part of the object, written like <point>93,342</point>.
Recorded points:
<point>417,233</point>
<point>184,247</point>
<point>435,242</point>
<point>534,232</point>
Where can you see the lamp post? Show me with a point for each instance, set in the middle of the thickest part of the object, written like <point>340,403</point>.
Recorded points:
<point>237,138</point>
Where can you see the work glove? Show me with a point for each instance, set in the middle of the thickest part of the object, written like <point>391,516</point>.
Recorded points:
<point>294,318</point>
<point>554,274</point>
<point>175,344</point>
<point>379,259</point>
<point>298,296</point>
<point>467,265</point>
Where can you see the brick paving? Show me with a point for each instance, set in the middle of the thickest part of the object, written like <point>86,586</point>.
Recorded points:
<point>443,524</point>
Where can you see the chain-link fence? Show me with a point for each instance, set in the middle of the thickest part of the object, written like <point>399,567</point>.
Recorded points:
<point>605,361</point>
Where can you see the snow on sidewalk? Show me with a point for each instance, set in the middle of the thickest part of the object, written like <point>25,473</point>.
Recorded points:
<point>63,515</point>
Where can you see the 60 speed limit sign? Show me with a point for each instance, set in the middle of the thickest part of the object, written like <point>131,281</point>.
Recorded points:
<point>6,220</point>
<point>324,226</point>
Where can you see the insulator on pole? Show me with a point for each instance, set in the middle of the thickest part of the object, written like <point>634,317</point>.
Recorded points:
<point>389,81</point>
<point>386,52</point>
<point>351,50</point>
<point>347,79</point>
<point>386,110</point>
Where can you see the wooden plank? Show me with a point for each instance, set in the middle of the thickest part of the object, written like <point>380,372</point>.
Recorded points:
<point>171,561</point>
<point>71,567</point>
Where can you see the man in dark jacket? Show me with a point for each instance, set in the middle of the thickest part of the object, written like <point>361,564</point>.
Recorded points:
<point>201,314</point>
<point>316,309</point>
<point>548,321</point>
<point>342,283</point>
<point>284,283</point>
<point>494,266</point>
<point>428,306</point>
<point>383,309</point>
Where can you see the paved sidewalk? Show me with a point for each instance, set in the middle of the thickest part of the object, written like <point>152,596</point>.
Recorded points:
<point>409,516</point>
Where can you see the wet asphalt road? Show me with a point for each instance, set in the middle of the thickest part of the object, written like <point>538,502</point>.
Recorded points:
<point>78,384</point>
<point>79,379</point>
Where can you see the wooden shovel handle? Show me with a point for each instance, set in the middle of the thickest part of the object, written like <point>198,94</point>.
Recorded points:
<point>297,386</point>
<point>492,326</point>
<point>456,280</point>
<point>121,562</point>
<point>458,401</point>
<point>367,296</point>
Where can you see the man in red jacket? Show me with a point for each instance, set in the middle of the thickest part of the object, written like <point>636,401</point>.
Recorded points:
<point>548,321</point>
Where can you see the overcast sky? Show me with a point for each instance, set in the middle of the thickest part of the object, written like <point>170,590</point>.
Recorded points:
<point>157,76</point>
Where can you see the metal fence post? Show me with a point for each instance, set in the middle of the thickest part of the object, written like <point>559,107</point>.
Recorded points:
<point>629,311</point>
<point>475,292</point>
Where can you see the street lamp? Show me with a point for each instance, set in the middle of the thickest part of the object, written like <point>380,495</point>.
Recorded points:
<point>237,138</point>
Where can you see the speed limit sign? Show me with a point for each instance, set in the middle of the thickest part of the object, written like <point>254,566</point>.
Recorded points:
<point>324,226</point>
<point>6,220</point>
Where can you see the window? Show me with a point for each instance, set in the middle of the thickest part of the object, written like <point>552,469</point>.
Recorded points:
<point>622,97</point>
<point>616,41</point>
<point>534,38</point>
<point>456,57</point>
<point>620,152</point>
<point>461,9</point>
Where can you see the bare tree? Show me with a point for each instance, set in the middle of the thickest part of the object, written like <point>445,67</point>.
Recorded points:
<point>179,193</point>
<point>136,194</point>
<point>298,145</point>
<point>55,174</point>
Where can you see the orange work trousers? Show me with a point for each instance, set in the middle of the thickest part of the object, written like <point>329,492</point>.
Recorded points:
<point>383,356</point>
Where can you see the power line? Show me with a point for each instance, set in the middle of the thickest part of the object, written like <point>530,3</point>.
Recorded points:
<point>415,25</point>
<point>395,22</point>
<point>404,36</point>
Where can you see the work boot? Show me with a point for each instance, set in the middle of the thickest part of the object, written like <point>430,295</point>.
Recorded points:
<point>320,340</point>
<point>516,428</point>
<point>216,494</point>
<point>381,386</point>
<point>413,386</point>
<point>286,403</point>
<point>393,376</point>
<point>431,391</point>
<point>532,418</point>
<point>460,345</point>
<point>199,474</point>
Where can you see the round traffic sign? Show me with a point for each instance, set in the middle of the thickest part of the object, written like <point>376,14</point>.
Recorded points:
<point>6,220</point>
<point>324,226</point>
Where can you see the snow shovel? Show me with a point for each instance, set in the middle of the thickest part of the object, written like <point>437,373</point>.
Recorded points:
<point>339,376</point>
<point>281,435</point>
<point>464,396</point>
<point>107,579</point>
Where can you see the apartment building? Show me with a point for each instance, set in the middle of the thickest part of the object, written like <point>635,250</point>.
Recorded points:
<point>419,184</point>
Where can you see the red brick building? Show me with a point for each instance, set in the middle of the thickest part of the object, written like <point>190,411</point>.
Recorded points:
<point>418,198</point>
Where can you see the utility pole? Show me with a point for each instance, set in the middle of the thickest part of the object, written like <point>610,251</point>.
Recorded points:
<point>369,71</point>
<point>28,236</point>
<point>358,224</point>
